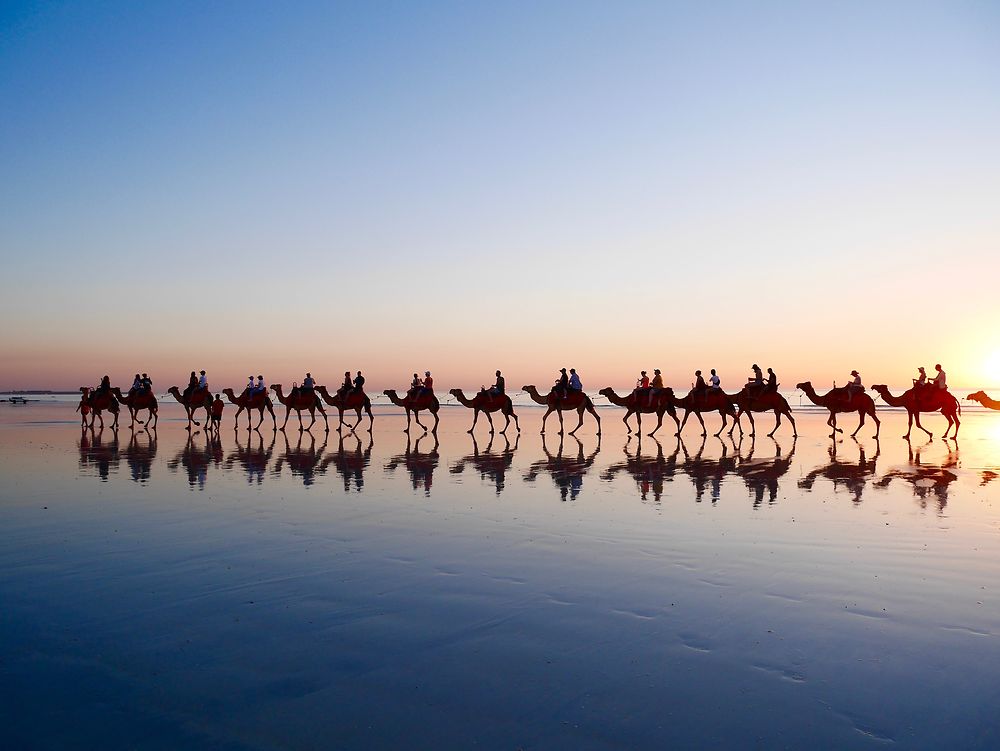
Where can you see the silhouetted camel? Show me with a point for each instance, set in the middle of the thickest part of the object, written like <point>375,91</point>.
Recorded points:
<point>575,400</point>
<point>751,399</point>
<point>351,463</point>
<point>486,403</point>
<point>197,399</point>
<point>196,459</point>
<point>762,475</point>
<point>259,401</point>
<point>303,462</point>
<point>836,402</point>
<point>638,404</point>
<point>300,401</point>
<point>982,398</point>
<point>100,401</point>
<point>137,400</point>
<point>416,404</point>
<point>704,472</point>
<point>707,401</point>
<point>253,459</point>
<point>139,455</point>
<point>927,480</point>
<point>925,399</point>
<point>355,401</point>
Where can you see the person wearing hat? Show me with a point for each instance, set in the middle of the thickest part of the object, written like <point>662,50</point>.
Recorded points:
<point>146,383</point>
<point>855,386</point>
<point>562,385</point>
<point>920,381</point>
<point>258,387</point>
<point>427,387</point>
<point>642,382</point>
<point>758,376</point>
<point>308,384</point>
<point>656,386</point>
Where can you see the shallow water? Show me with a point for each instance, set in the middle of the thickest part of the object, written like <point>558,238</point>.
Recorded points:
<point>249,591</point>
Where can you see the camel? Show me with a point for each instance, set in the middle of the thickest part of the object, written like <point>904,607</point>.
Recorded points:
<point>707,401</point>
<point>487,463</point>
<point>836,401</point>
<point>982,398</point>
<point>299,401</point>
<point>356,400</point>
<point>420,465</point>
<point>259,401</point>
<point>415,403</point>
<point>197,399</point>
<point>751,399</point>
<point>708,472</point>
<point>638,404</point>
<point>926,399</point>
<point>100,401</point>
<point>486,403</point>
<point>137,400</point>
<point>575,400</point>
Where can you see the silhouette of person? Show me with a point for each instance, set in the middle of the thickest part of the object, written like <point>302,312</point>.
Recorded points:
<point>941,379</point>
<point>192,384</point>
<point>346,386</point>
<point>715,383</point>
<point>758,377</point>
<point>574,380</point>
<point>855,386</point>
<point>217,406</point>
<point>415,384</point>
<point>203,381</point>
<point>359,383</point>
<point>642,382</point>
<point>136,384</point>
<point>562,385</point>
<point>772,382</point>
<point>498,388</point>
<point>656,386</point>
<point>146,383</point>
<point>427,387</point>
<point>308,383</point>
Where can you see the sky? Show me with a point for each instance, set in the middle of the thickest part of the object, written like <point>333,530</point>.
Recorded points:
<point>279,187</point>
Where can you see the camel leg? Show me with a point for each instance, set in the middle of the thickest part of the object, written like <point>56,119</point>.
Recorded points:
<point>704,430</point>
<point>436,421</point>
<point>579,413</point>
<point>860,423</point>
<point>753,425</point>
<point>723,416</point>
<point>832,422</point>
<point>916,416</point>
<point>407,428</point>
<point>659,423</point>
<point>288,411</point>
<point>638,423</point>
<point>878,425</point>
<point>777,423</point>
<point>687,413</point>
<point>561,425</point>
<point>795,430</point>
<point>259,422</point>
<point>597,417</point>
<point>625,420</point>
<point>326,420</point>
<point>416,416</point>
<point>490,418</point>
<point>546,417</point>
<point>475,419</point>
<point>954,436</point>
<point>517,424</point>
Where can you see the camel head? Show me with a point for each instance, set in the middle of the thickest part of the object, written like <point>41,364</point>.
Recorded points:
<point>174,390</point>
<point>977,397</point>
<point>85,390</point>
<point>606,391</point>
<point>456,392</point>
<point>527,388</point>
<point>879,387</point>
<point>389,392</point>
<point>804,386</point>
<point>276,388</point>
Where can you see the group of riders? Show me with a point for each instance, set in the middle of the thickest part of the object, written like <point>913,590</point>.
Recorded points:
<point>565,386</point>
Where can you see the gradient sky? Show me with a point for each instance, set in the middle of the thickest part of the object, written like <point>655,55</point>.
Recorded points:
<point>277,187</point>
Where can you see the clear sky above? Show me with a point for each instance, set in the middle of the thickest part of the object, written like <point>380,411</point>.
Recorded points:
<point>268,187</point>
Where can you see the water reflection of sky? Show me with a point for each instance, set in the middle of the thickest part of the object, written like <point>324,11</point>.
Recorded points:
<point>415,591</point>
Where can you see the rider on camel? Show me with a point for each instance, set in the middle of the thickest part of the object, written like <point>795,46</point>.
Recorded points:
<point>308,384</point>
<point>346,386</point>
<point>855,386</point>
<point>203,381</point>
<point>656,386</point>
<point>574,380</point>
<point>136,384</point>
<point>941,379</point>
<point>562,385</point>
<point>415,385</point>
<point>497,389</point>
<point>192,384</point>
<point>772,383</point>
<point>105,387</point>
<point>146,383</point>
<point>714,382</point>
<point>921,381</point>
<point>359,383</point>
<point>427,385</point>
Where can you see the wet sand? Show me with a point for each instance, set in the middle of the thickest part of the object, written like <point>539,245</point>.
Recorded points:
<point>244,593</point>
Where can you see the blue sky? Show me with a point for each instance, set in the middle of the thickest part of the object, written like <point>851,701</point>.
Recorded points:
<point>567,175</point>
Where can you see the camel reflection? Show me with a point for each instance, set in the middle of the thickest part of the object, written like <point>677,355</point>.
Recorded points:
<point>708,474</point>
<point>762,476</point>
<point>197,456</point>
<point>930,481</point>
<point>97,454</point>
<point>650,471</point>
<point>420,465</point>
<point>302,461</point>
<point>489,465</point>
<point>139,455</point>
<point>352,462</point>
<point>850,475</point>
<point>253,457</point>
<point>566,471</point>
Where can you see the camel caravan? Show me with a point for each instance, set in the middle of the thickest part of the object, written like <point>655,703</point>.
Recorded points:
<point>649,397</point>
